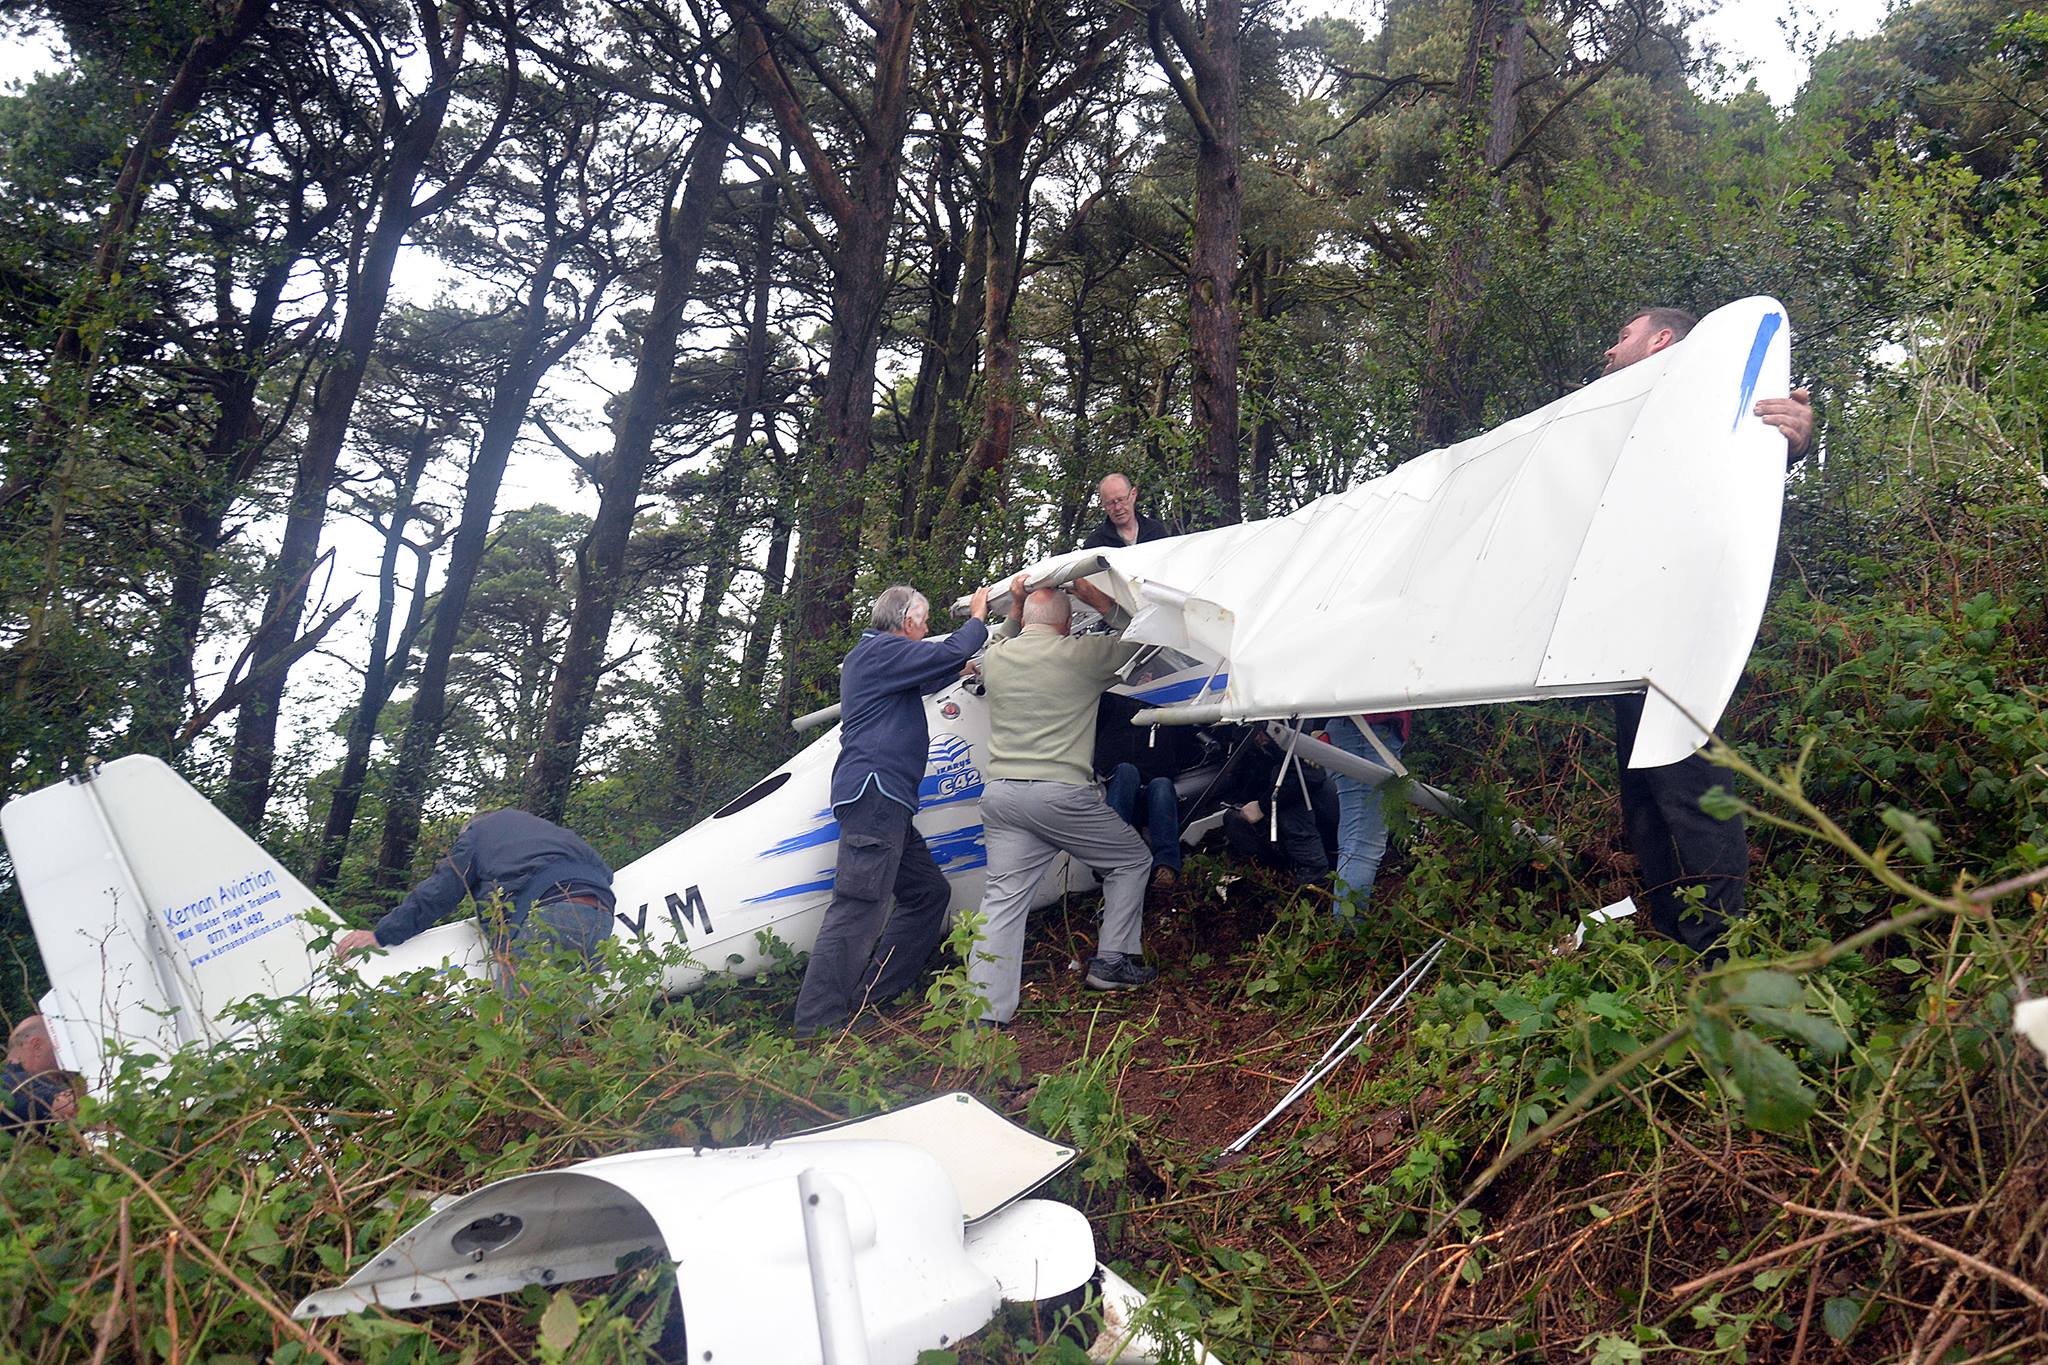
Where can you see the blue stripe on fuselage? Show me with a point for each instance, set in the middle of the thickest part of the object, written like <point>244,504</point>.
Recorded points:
<point>1182,690</point>
<point>955,851</point>
<point>822,833</point>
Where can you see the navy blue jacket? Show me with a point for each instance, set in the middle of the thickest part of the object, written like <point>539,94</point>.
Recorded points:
<point>519,858</point>
<point>882,734</point>
<point>28,1101</point>
<point>1107,537</point>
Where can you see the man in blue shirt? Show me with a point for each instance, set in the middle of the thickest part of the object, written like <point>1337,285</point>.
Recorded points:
<point>863,952</point>
<point>535,885</point>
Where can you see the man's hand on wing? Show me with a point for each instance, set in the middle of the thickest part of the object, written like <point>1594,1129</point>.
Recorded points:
<point>977,605</point>
<point>1792,416</point>
<point>1093,596</point>
<point>353,942</point>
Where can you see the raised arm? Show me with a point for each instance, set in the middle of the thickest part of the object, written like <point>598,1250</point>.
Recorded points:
<point>1095,597</point>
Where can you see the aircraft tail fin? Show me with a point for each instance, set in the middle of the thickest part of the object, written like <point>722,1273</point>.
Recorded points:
<point>153,912</point>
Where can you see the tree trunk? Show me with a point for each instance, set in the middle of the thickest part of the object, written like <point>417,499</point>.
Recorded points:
<point>862,204</point>
<point>705,636</point>
<point>255,749</point>
<point>1081,461</point>
<point>1002,210</point>
<point>1449,403</point>
<point>533,356</point>
<point>1213,104</point>
<point>1264,429</point>
<point>947,430</point>
<point>382,668</point>
<point>768,613</point>
<point>948,259</point>
<point>165,695</point>
<point>601,559</point>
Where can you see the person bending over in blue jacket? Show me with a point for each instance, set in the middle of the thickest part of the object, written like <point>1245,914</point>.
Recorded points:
<point>535,884</point>
<point>863,952</point>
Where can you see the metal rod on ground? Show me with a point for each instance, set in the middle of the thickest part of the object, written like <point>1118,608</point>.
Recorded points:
<point>1412,976</point>
<point>1427,961</point>
<point>1340,1046</point>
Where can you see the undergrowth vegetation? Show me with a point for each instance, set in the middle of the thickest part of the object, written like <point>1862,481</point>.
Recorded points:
<point>1832,1148</point>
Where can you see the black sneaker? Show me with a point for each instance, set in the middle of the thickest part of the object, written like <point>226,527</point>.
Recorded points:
<point>1118,974</point>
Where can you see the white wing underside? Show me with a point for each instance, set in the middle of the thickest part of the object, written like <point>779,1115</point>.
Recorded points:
<point>1619,539</point>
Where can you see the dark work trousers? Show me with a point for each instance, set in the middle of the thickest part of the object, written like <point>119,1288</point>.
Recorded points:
<point>1678,845</point>
<point>880,852</point>
<point>1160,822</point>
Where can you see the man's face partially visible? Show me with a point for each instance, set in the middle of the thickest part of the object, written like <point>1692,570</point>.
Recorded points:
<point>35,1051</point>
<point>1119,500</point>
<point>1638,340</point>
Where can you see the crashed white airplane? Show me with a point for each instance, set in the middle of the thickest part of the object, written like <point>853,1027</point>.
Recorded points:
<point>1620,539</point>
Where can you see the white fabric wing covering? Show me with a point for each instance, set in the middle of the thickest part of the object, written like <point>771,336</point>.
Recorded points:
<point>1620,537</point>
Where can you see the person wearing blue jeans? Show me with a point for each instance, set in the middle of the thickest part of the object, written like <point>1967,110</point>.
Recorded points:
<point>1160,823</point>
<point>1361,819</point>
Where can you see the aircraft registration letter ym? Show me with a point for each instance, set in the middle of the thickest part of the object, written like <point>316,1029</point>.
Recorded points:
<point>688,907</point>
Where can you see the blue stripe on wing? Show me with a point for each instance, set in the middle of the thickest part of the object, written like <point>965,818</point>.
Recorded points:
<point>1766,328</point>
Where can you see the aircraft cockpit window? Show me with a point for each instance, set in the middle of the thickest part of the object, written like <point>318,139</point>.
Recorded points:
<point>1164,663</point>
<point>767,786</point>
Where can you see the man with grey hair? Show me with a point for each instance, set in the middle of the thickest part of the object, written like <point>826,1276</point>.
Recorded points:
<point>34,1090</point>
<point>864,952</point>
<point>1122,522</point>
<point>1041,800</point>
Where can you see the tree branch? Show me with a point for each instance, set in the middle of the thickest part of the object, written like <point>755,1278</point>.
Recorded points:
<point>1163,13</point>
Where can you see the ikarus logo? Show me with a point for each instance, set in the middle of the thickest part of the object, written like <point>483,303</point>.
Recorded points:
<point>950,773</point>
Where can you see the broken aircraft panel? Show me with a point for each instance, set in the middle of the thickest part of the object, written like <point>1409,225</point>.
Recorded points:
<point>870,1240</point>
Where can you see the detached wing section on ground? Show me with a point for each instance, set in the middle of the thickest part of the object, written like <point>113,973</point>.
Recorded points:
<point>1620,537</point>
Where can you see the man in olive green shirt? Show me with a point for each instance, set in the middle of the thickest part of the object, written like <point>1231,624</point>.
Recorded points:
<point>1041,800</point>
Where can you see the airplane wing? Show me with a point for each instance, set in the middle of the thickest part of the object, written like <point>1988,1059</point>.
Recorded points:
<point>1617,540</point>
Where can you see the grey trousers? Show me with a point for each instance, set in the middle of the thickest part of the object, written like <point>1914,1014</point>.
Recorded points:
<point>1029,824</point>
